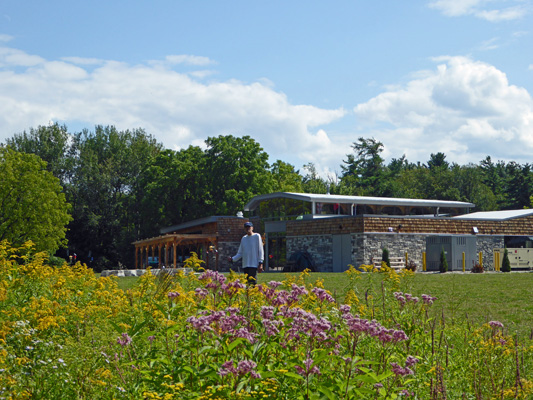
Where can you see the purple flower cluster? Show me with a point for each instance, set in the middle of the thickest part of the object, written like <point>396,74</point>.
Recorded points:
<point>373,328</point>
<point>303,322</point>
<point>201,292</point>
<point>404,298</point>
<point>228,321</point>
<point>124,340</point>
<point>427,299</point>
<point>243,367</point>
<point>403,371</point>
<point>282,297</point>
<point>495,324</point>
<point>216,278</point>
<point>172,295</point>
<point>323,295</point>
<point>308,369</point>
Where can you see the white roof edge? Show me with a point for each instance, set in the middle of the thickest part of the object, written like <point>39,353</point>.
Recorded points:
<point>335,198</point>
<point>496,215</point>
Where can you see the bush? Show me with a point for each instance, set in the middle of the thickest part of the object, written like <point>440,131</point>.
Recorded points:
<point>443,267</point>
<point>56,261</point>
<point>411,266</point>
<point>506,264</point>
<point>477,268</point>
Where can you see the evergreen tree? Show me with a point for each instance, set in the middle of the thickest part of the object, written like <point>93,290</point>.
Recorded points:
<point>385,257</point>
<point>506,264</point>
<point>443,267</point>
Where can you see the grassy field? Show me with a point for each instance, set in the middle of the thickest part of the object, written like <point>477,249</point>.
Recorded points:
<point>478,297</point>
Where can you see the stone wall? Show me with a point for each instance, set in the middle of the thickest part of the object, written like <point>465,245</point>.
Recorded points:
<point>371,246</point>
<point>225,250</point>
<point>368,246</point>
<point>319,246</point>
<point>486,245</point>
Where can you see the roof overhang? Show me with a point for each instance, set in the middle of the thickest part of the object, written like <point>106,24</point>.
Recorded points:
<point>335,198</point>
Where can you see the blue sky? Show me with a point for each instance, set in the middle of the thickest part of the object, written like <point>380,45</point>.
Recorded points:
<point>305,79</point>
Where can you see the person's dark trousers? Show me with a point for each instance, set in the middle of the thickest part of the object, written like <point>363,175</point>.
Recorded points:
<point>251,274</point>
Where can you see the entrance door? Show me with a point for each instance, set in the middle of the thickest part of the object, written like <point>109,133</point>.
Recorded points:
<point>342,252</point>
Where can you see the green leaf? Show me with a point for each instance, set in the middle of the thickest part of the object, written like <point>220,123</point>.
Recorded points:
<point>329,394</point>
<point>294,375</point>
<point>234,344</point>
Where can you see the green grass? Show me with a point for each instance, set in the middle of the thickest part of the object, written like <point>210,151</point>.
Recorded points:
<point>478,297</point>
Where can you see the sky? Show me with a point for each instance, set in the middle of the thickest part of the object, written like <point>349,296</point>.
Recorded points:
<point>305,79</point>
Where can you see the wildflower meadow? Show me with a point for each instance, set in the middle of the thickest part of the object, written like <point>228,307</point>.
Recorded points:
<point>66,333</point>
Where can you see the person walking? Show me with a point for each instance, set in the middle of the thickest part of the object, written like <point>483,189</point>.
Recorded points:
<point>252,253</point>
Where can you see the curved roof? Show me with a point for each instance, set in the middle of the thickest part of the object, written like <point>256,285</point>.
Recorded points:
<point>337,198</point>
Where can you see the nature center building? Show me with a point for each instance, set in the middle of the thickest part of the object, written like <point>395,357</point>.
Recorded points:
<point>336,231</point>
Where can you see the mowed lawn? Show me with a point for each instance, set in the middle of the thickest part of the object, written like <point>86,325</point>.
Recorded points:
<point>477,297</point>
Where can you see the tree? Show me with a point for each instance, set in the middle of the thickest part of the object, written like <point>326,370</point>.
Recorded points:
<point>285,178</point>
<point>385,257</point>
<point>312,182</point>
<point>506,264</point>
<point>443,266</point>
<point>172,190</point>
<point>32,203</point>
<point>105,187</point>
<point>365,171</point>
<point>235,170</point>
<point>438,161</point>
<point>52,144</point>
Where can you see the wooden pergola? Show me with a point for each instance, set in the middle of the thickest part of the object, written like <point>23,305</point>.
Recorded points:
<point>168,245</point>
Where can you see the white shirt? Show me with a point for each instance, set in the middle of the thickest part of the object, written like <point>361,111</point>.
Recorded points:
<point>251,251</point>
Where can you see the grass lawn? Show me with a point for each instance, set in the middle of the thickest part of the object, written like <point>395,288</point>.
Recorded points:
<point>479,297</point>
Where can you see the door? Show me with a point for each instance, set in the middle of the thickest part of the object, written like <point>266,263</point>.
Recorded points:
<point>342,252</point>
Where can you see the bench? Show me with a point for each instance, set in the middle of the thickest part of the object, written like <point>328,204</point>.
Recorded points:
<point>396,263</point>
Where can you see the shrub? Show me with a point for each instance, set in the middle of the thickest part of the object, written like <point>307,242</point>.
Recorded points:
<point>194,262</point>
<point>411,266</point>
<point>443,266</point>
<point>477,268</point>
<point>385,256</point>
<point>506,264</point>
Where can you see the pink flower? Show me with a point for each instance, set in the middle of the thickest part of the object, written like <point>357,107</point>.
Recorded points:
<point>124,340</point>
<point>309,369</point>
<point>495,324</point>
<point>323,295</point>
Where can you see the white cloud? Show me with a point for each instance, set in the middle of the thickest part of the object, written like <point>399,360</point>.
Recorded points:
<point>175,107</point>
<point>5,38</point>
<point>477,8</point>
<point>464,108</point>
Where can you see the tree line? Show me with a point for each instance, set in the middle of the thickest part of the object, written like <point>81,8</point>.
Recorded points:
<point>121,186</point>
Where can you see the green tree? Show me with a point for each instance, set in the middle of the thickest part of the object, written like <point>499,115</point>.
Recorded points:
<point>385,256</point>
<point>32,203</point>
<point>173,189</point>
<point>365,171</point>
<point>312,182</point>
<point>443,265</point>
<point>235,170</point>
<point>52,144</point>
<point>105,186</point>
<point>285,178</point>
<point>506,264</point>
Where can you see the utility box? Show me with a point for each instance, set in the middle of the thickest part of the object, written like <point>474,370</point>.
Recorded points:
<point>454,246</point>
